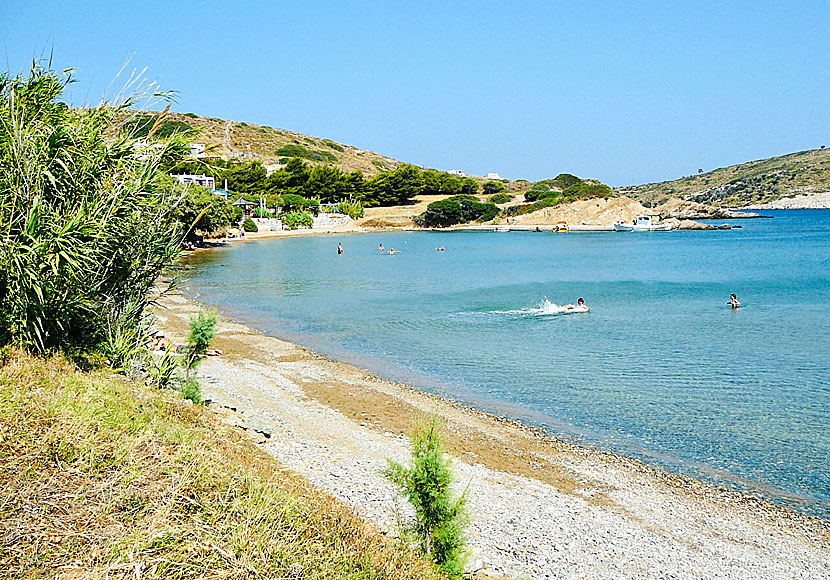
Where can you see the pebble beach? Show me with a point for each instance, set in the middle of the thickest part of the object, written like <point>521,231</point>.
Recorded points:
<point>539,507</point>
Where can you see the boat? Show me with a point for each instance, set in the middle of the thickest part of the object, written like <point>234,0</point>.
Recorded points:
<point>502,229</point>
<point>560,227</point>
<point>642,223</point>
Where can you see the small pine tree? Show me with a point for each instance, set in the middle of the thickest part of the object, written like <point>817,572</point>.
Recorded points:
<point>440,519</point>
<point>202,330</point>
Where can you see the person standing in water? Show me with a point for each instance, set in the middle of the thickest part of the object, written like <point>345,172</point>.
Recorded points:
<point>733,301</point>
<point>339,248</point>
<point>380,248</point>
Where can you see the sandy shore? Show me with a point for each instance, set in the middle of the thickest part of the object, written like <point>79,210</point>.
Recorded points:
<point>540,508</point>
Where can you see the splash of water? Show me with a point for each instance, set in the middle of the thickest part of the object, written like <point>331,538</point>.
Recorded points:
<point>545,308</point>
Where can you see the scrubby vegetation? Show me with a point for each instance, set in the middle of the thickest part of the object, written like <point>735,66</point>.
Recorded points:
<point>295,219</point>
<point>455,210</point>
<point>440,518</point>
<point>104,478</point>
<point>87,223</point>
<point>501,198</point>
<point>249,225</point>
<point>561,189</point>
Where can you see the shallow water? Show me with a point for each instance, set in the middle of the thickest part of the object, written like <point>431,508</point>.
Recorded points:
<point>660,369</point>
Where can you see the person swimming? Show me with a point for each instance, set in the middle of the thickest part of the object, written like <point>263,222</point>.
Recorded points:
<point>733,301</point>
<point>339,248</point>
<point>380,248</point>
<point>580,305</point>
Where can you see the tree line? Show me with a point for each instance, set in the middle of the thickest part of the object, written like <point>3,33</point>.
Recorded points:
<point>329,184</point>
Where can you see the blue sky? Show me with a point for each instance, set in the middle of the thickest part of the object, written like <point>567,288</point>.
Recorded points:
<point>622,92</point>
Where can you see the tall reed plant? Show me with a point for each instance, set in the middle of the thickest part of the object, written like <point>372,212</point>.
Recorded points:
<point>85,220</point>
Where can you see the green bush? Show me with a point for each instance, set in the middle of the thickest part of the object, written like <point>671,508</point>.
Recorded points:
<point>455,210</point>
<point>501,198</point>
<point>440,518</point>
<point>141,125</point>
<point>584,190</point>
<point>262,213</point>
<point>491,187</point>
<point>305,153</point>
<point>353,209</point>
<point>332,144</point>
<point>202,331</point>
<point>86,225</point>
<point>249,225</point>
<point>201,211</point>
<point>294,219</point>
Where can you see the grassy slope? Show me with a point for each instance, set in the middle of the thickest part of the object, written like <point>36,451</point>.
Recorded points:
<point>106,478</point>
<point>738,185</point>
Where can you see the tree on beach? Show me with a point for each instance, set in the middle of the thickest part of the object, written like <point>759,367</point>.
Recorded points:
<point>440,518</point>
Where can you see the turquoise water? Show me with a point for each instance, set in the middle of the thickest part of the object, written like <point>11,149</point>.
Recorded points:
<point>660,369</point>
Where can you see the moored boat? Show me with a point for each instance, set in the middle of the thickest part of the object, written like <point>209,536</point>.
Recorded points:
<point>642,223</point>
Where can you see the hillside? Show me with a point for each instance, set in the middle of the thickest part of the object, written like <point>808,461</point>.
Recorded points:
<point>752,183</point>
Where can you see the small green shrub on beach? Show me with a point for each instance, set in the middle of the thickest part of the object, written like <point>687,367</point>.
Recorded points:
<point>294,219</point>
<point>202,331</point>
<point>249,225</point>
<point>353,209</point>
<point>440,518</point>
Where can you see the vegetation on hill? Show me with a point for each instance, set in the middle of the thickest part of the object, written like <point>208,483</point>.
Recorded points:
<point>101,477</point>
<point>747,183</point>
<point>563,188</point>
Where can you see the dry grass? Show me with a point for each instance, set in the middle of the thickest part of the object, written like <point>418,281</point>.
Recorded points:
<point>103,478</point>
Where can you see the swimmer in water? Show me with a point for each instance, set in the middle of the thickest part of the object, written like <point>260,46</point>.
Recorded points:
<point>580,305</point>
<point>380,248</point>
<point>339,248</point>
<point>441,249</point>
<point>391,251</point>
<point>733,301</point>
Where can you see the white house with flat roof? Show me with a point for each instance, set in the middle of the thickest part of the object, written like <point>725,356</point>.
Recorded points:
<point>456,172</point>
<point>205,181</point>
<point>493,176</point>
<point>197,150</point>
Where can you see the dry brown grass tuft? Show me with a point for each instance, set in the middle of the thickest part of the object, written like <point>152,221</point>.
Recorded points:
<point>103,478</point>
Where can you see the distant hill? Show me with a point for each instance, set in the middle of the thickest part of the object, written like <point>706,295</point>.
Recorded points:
<point>248,141</point>
<point>752,183</point>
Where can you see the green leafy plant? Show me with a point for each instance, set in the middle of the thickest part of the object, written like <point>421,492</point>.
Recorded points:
<point>294,219</point>
<point>353,209</point>
<point>202,331</point>
<point>455,210</point>
<point>249,225</point>
<point>501,198</point>
<point>440,518</point>
<point>87,219</point>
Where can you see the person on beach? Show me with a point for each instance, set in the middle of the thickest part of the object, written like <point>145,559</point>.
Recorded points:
<point>339,248</point>
<point>380,248</point>
<point>733,301</point>
<point>580,305</point>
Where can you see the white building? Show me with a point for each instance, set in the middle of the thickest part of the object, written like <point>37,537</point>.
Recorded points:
<point>197,150</point>
<point>201,180</point>
<point>493,176</point>
<point>456,172</point>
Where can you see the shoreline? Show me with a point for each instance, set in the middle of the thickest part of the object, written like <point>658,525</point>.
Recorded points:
<point>336,424</point>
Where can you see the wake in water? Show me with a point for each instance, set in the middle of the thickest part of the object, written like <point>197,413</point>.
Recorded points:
<point>545,308</point>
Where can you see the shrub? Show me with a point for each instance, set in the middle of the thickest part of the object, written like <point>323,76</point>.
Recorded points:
<point>332,144</point>
<point>501,198</point>
<point>249,225</point>
<point>306,153</point>
<point>455,210</point>
<point>202,330</point>
<point>584,190</point>
<point>86,226</point>
<point>353,209</point>
<point>294,219</point>
<point>262,213</point>
<point>141,125</point>
<point>440,519</point>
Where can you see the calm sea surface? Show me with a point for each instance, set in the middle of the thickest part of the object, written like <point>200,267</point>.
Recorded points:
<point>661,369</point>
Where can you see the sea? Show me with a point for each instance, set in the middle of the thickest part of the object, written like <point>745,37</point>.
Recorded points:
<point>661,369</point>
